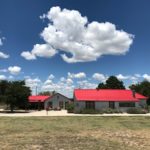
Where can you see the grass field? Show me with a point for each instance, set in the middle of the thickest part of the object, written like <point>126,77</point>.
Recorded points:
<point>75,133</point>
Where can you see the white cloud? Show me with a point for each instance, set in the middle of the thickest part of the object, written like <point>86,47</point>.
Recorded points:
<point>32,82</point>
<point>48,82</point>
<point>28,56</point>
<point>137,75</point>
<point>68,31</point>
<point>1,43</point>
<point>14,70</point>
<point>85,84</point>
<point>64,86</point>
<point>43,16</point>
<point>99,77</point>
<point>3,55</point>
<point>40,50</point>
<point>146,77</point>
<point>51,76</point>
<point>3,77</point>
<point>43,50</point>
<point>122,77</point>
<point>77,75</point>
<point>3,70</point>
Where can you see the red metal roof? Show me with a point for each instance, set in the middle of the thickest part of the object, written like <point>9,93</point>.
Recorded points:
<point>139,96</point>
<point>106,95</point>
<point>38,98</point>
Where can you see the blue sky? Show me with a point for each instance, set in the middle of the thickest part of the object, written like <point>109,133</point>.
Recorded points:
<point>62,45</point>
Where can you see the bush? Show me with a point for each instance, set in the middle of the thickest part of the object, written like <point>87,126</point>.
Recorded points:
<point>70,108</point>
<point>136,111</point>
<point>103,111</point>
<point>89,111</point>
<point>111,111</point>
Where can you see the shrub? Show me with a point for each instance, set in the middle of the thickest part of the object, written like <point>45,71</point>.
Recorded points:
<point>90,111</point>
<point>70,108</point>
<point>136,111</point>
<point>102,111</point>
<point>111,111</point>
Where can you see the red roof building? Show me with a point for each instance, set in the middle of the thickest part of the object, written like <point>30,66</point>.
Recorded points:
<point>107,98</point>
<point>38,98</point>
<point>107,95</point>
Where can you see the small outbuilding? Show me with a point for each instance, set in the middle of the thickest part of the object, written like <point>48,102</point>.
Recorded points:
<point>57,102</point>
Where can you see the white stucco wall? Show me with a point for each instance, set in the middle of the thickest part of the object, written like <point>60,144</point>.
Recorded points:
<point>124,109</point>
<point>79,105</point>
<point>55,101</point>
<point>101,105</point>
<point>142,103</point>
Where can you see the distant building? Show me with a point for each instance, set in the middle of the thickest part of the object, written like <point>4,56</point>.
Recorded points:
<point>37,101</point>
<point>107,98</point>
<point>56,101</point>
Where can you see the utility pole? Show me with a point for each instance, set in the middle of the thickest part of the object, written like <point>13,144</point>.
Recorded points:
<point>36,90</point>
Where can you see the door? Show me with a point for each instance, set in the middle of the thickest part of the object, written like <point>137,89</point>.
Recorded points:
<point>61,104</point>
<point>112,105</point>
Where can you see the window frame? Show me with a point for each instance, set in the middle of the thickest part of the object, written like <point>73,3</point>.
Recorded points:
<point>126,104</point>
<point>90,104</point>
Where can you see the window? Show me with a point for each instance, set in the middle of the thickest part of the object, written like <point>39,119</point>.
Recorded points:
<point>90,105</point>
<point>61,104</point>
<point>111,105</point>
<point>66,105</point>
<point>126,104</point>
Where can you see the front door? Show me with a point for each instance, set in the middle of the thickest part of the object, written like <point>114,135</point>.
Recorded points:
<point>111,105</point>
<point>61,104</point>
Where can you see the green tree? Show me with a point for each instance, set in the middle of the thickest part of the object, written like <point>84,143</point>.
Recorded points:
<point>142,88</point>
<point>111,83</point>
<point>3,88</point>
<point>102,86</point>
<point>17,94</point>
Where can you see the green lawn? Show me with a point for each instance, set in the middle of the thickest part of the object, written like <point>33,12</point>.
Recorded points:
<point>75,133</point>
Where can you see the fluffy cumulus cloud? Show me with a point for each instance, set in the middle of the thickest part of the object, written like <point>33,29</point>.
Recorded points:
<point>3,77</point>
<point>51,77</point>
<point>14,70</point>
<point>3,55</point>
<point>99,77</point>
<point>146,77</point>
<point>33,83</point>
<point>64,86</point>
<point>77,75</point>
<point>70,32</point>
<point>28,55</point>
<point>122,77</point>
<point>40,50</point>
<point>134,78</point>
<point>85,84</point>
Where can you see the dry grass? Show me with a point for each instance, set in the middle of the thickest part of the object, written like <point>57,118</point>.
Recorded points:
<point>75,133</point>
